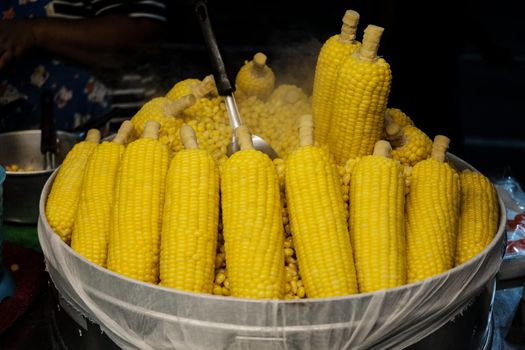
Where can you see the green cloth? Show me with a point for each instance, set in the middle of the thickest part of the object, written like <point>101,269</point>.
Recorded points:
<point>24,235</point>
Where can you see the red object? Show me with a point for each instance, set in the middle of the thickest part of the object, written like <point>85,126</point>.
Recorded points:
<point>29,279</point>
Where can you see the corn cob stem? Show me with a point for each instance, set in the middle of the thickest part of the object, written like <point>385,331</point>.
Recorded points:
<point>259,62</point>
<point>439,148</point>
<point>349,27</point>
<point>93,135</point>
<point>176,107</point>
<point>244,137</point>
<point>188,137</point>
<point>123,132</point>
<point>382,148</point>
<point>206,86</point>
<point>306,130</point>
<point>371,38</point>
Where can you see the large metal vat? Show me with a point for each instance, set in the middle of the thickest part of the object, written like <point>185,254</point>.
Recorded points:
<point>144,316</point>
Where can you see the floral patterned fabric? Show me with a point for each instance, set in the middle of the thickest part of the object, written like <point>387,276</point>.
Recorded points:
<point>78,95</point>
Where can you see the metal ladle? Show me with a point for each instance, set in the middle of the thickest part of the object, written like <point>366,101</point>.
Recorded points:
<point>224,86</point>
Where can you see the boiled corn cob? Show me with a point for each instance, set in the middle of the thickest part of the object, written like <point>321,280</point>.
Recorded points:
<point>411,145</point>
<point>361,96</point>
<point>91,229</point>
<point>377,225</point>
<point>190,219</point>
<point>62,202</point>
<point>253,229</point>
<point>134,238</point>
<point>318,221</point>
<point>395,115</point>
<point>479,214</point>
<point>255,78</point>
<point>194,87</point>
<point>432,215</point>
<point>162,110</point>
<point>331,57</point>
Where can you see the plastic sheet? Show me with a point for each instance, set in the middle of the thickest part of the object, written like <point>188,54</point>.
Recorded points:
<point>510,191</point>
<point>138,315</point>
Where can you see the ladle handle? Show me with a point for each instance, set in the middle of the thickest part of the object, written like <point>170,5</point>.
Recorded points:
<point>48,138</point>
<point>224,87</point>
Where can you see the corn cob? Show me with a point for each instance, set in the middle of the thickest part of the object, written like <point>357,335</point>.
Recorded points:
<point>62,202</point>
<point>91,229</point>
<point>195,87</point>
<point>134,238</point>
<point>253,229</point>
<point>432,215</point>
<point>315,202</point>
<point>255,78</point>
<point>190,219</point>
<point>162,110</point>
<point>331,57</point>
<point>411,145</point>
<point>395,115</point>
<point>360,100</point>
<point>377,205</point>
<point>479,214</point>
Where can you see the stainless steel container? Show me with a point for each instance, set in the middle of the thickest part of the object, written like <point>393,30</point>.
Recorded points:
<point>137,315</point>
<point>22,189</point>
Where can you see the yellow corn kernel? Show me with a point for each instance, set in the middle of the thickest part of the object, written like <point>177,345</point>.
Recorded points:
<point>253,229</point>
<point>190,219</point>
<point>134,237</point>
<point>377,205</point>
<point>432,215</point>
<point>361,96</point>
<point>255,78</point>
<point>318,220</point>
<point>479,214</point>
<point>331,57</point>
<point>62,202</point>
<point>91,230</point>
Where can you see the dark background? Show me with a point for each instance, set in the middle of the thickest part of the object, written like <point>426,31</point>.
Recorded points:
<point>458,66</point>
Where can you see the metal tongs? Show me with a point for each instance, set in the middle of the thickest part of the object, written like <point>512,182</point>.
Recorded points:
<point>224,87</point>
<point>48,134</point>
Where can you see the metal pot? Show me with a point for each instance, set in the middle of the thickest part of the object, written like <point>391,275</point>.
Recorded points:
<point>22,189</point>
<point>139,315</point>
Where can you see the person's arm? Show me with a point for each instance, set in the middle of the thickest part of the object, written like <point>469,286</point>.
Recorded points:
<point>80,39</point>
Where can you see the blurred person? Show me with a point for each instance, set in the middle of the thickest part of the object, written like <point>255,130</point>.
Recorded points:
<point>57,44</point>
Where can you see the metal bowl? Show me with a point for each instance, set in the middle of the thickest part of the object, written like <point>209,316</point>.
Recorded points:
<point>22,188</point>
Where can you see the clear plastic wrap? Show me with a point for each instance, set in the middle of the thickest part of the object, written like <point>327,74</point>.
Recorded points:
<point>510,191</point>
<point>138,315</point>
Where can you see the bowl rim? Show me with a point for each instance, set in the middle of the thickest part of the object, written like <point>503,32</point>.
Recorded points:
<point>10,174</point>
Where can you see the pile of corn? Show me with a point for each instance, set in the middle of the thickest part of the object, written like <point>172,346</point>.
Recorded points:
<point>359,199</point>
